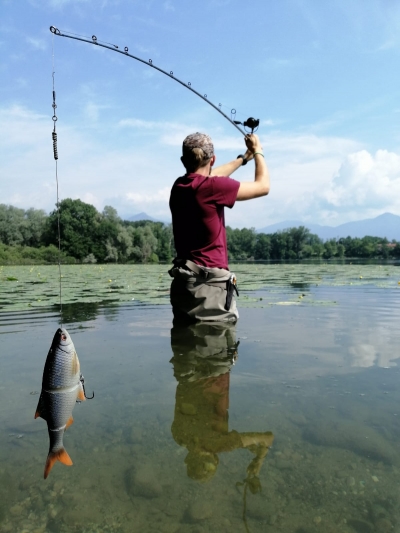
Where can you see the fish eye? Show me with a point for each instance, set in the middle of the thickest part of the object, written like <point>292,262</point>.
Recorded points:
<point>63,337</point>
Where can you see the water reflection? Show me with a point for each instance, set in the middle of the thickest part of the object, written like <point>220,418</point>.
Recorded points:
<point>203,356</point>
<point>80,312</point>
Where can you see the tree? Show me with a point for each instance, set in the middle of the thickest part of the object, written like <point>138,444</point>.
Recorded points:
<point>11,222</point>
<point>163,233</point>
<point>148,244</point>
<point>396,250</point>
<point>79,224</point>
<point>279,245</point>
<point>110,213</point>
<point>341,250</point>
<point>33,227</point>
<point>330,248</point>
<point>298,237</point>
<point>262,249</point>
<point>241,242</point>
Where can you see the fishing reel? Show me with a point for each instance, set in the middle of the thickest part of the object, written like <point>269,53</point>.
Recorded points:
<point>251,123</point>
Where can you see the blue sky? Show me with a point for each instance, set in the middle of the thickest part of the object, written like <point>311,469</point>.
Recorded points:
<point>322,77</point>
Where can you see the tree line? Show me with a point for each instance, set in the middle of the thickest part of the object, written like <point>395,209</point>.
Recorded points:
<point>299,243</point>
<point>86,235</point>
<point>90,236</point>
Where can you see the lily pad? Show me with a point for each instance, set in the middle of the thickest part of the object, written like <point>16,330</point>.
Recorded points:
<point>38,286</point>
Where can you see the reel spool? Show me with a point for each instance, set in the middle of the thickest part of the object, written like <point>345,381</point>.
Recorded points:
<point>251,123</point>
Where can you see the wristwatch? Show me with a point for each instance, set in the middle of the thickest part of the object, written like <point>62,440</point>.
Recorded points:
<point>244,159</point>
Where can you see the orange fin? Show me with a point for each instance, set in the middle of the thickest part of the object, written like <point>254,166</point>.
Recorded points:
<point>37,414</point>
<point>69,422</point>
<point>60,455</point>
<point>81,395</point>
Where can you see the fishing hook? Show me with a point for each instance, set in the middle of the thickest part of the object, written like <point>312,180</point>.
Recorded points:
<point>250,122</point>
<point>82,380</point>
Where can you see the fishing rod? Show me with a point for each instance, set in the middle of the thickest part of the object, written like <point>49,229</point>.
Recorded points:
<point>251,123</point>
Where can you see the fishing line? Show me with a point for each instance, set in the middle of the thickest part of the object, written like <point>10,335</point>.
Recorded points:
<point>55,154</point>
<point>251,123</point>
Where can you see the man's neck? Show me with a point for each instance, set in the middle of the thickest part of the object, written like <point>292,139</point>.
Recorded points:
<point>203,171</point>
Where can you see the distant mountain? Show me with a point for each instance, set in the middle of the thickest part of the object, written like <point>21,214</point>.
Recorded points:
<point>386,225</point>
<point>142,216</point>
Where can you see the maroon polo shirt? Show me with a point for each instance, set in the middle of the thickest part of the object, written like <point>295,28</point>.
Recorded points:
<point>197,206</point>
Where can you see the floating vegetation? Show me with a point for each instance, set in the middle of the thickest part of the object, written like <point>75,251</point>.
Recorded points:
<point>26,287</point>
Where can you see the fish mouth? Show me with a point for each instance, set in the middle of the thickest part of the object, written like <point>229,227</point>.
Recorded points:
<point>62,334</point>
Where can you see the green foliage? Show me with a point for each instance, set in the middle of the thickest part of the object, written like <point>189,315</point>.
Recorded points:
<point>79,225</point>
<point>26,255</point>
<point>18,226</point>
<point>88,236</point>
<point>299,243</point>
<point>92,237</point>
<point>241,243</point>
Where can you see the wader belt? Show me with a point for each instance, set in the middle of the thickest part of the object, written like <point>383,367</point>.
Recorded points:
<point>203,293</point>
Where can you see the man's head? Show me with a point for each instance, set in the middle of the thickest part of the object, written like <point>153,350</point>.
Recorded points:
<point>201,466</point>
<point>197,151</point>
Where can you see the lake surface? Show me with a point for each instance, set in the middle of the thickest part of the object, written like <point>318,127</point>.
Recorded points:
<point>287,422</point>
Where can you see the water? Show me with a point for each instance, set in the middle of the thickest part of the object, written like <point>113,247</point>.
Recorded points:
<point>155,450</point>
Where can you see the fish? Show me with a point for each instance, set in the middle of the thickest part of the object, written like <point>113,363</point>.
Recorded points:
<point>61,388</point>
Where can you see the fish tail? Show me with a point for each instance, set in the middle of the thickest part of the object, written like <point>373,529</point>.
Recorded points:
<point>59,455</point>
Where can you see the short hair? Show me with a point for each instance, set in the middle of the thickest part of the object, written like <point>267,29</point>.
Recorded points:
<point>197,150</point>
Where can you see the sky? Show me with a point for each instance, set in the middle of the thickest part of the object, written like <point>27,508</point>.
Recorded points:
<point>322,77</point>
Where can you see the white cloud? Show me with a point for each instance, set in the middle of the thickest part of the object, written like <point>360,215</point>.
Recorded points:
<point>149,125</point>
<point>363,355</point>
<point>87,169</point>
<point>162,195</point>
<point>300,167</point>
<point>314,179</point>
<point>365,184</point>
<point>58,4</point>
<point>268,122</point>
<point>276,62</point>
<point>38,44</point>
<point>19,126</point>
<point>92,110</point>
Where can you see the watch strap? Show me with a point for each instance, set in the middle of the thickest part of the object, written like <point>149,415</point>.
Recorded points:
<point>244,159</point>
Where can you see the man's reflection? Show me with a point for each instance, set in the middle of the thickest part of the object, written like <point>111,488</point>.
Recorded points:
<point>203,355</point>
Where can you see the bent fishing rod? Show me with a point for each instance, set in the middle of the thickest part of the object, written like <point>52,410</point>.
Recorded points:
<point>251,123</point>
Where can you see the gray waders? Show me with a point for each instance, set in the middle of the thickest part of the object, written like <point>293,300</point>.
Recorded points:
<point>201,293</point>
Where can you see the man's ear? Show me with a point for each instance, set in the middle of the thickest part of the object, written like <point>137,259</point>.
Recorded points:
<point>212,161</point>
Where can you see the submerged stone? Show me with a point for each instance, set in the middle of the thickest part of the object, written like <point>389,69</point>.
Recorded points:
<point>142,481</point>
<point>198,511</point>
<point>383,525</point>
<point>361,526</point>
<point>354,437</point>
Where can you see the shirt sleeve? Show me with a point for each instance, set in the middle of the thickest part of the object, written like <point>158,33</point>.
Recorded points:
<point>224,191</point>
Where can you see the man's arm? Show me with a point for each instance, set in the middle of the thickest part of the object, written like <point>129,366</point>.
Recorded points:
<point>229,168</point>
<point>260,186</point>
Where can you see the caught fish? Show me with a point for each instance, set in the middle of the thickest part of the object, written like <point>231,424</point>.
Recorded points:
<point>62,387</point>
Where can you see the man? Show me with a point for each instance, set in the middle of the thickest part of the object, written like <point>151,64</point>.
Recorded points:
<point>202,288</point>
